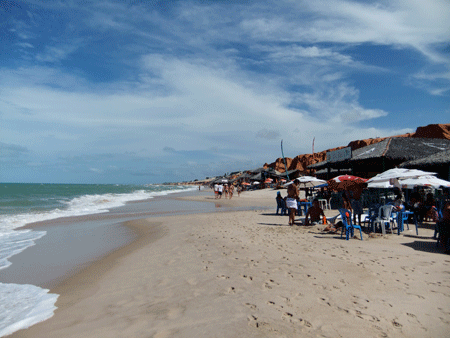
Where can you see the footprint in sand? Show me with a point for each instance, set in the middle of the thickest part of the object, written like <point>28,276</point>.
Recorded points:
<point>269,284</point>
<point>251,306</point>
<point>231,289</point>
<point>304,322</point>
<point>247,278</point>
<point>364,316</point>
<point>253,321</point>
<point>396,323</point>
<point>223,277</point>
<point>324,300</point>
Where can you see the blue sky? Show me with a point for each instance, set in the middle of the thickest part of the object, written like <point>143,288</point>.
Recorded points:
<point>156,91</point>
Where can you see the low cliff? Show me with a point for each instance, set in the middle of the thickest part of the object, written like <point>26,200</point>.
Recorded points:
<point>300,162</point>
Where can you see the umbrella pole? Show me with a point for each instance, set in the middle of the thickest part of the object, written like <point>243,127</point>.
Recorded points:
<point>285,165</point>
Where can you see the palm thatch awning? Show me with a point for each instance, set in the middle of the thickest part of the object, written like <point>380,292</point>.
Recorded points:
<point>440,158</point>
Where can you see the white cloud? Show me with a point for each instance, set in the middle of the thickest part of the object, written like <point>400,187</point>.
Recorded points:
<point>233,77</point>
<point>57,53</point>
<point>199,105</point>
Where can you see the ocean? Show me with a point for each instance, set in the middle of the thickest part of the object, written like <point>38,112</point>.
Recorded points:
<point>22,305</point>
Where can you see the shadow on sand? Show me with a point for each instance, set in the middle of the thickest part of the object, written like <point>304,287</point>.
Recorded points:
<point>425,246</point>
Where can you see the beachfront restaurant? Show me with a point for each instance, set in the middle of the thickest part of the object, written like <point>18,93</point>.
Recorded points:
<point>438,163</point>
<point>390,153</point>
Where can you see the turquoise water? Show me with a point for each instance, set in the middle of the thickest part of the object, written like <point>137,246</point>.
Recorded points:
<point>22,305</point>
<point>34,198</point>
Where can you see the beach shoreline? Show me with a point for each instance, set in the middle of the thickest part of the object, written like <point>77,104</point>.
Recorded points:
<point>246,273</point>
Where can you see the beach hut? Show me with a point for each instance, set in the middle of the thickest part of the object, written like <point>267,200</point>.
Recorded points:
<point>437,162</point>
<point>389,153</point>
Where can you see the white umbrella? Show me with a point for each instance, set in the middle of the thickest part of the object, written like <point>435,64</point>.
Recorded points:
<point>398,173</point>
<point>427,181</point>
<point>310,181</point>
<point>380,185</point>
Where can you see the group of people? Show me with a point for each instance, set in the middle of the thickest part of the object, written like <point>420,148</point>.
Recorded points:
<point>314,213</point>
<point>225,189</point>
<point>423,208</point>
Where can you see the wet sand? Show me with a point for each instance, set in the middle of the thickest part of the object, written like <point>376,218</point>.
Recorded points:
<point>248,274</point>
<point>72,243</point>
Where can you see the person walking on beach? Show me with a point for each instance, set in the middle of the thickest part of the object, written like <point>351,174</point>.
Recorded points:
<point>231,191</point>
<point>291,201</point>
<point>216,191</point>
<point>220,190</point>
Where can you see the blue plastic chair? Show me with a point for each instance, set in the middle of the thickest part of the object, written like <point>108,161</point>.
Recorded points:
<point>348,225</point>
<point>305,205</point>
<point>281,207</point>
<point>400,219</point>
<point>371,217</point>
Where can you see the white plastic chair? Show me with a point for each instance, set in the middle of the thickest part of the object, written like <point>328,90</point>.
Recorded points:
<point>384,217</point>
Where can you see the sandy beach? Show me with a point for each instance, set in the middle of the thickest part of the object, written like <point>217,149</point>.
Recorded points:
<point>247,274</point>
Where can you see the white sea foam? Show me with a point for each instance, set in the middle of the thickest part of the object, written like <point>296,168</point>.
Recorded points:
<point>24,305</point>
<point>13,242</point>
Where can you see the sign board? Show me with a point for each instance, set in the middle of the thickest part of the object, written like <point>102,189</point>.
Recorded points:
<point>339,155</point>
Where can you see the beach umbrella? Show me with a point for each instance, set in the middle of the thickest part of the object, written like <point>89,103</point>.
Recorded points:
<point>392,176</point>
<point>380,185</point>
<point>268,180</point>
<point>311,181</point>
<point>245,183</point>
<point>288,183</point>
<point>399,174</point>
<point>256,182</point>
<point>424,181</point>
<point>346,182</point>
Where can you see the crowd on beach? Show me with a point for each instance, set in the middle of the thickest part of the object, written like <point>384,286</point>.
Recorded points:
<point>226,190</point>
<point>419,202</point>
<point>422,207</point>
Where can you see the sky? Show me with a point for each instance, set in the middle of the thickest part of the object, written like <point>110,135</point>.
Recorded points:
<point>167,91</point>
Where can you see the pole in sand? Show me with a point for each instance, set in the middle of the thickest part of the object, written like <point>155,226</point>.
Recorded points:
<point>285,165</point>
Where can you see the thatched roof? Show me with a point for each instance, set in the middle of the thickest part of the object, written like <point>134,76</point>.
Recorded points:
<point>439,158</point>
<point>393,148</point>
<point>401,148</point>
<point>332,171</point>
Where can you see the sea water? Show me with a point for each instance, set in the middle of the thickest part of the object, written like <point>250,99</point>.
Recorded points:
<point>22,305</point>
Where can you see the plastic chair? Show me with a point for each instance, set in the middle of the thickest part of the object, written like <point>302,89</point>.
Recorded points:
<point>305,205</point>
<point>281,206</point>
<point>348,225</point>
<point>401,218</point>
<point>384,218</point>
<point>370,218</point>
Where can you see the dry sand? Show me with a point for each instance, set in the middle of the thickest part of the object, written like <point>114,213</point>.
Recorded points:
<point>248,274</point>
